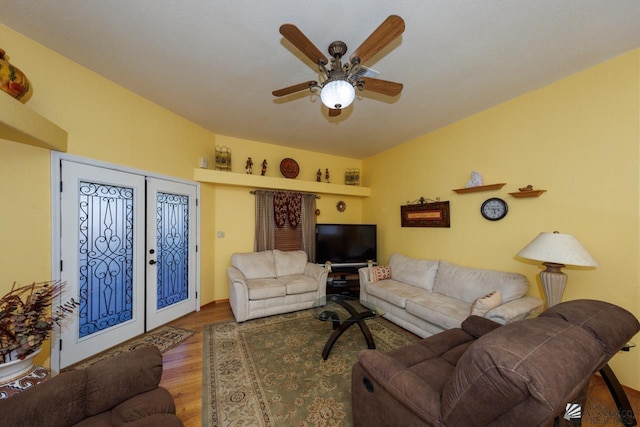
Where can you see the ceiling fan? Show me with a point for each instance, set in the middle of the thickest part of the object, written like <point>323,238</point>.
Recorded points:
<point>338,83</point>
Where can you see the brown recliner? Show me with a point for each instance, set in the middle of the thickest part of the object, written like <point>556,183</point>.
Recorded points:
<point>121,390</point>
<point>484,374</point>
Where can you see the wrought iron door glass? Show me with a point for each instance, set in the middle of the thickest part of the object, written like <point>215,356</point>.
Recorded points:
<point>105,256</point>
<point>172,240</point>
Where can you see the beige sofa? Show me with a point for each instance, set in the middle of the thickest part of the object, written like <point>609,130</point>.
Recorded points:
<point>429,296</point>
<point>273,282</point>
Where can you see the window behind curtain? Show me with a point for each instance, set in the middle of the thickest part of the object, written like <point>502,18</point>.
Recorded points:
<point>269,236</point>
<point>287,239</point>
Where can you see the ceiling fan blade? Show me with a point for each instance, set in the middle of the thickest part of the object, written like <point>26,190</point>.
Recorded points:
<point>295,88</point>
<point>333,112</point>
<point>388,31</point>
<point>299,40</point>
<point>381,86</point>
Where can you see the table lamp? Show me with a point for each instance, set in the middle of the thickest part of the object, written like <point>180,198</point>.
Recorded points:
<point>556,250</point>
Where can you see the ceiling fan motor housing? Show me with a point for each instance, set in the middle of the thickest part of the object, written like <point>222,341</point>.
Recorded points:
<point>337,49</point>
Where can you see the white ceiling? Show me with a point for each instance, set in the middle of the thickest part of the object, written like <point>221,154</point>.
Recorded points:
<point>216,62</point>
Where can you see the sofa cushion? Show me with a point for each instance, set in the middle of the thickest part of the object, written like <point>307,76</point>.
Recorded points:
<point>254,265</point>
<point>394,292</point>
<point>482,306</point>
<point>378,273</point>
<point>40,405</point>
<point>116,379</point>
<point>103,419</point>
<point>156,401</point>
<point>412,271</point>
<point>468,284</point>
<point>439,309</point>
<point>298,284</point>
<point>265,288</point>
<point>289,262</point>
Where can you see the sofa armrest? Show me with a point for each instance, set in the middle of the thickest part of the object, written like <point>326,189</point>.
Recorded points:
<point>238,294</point>
<point>363,274</point>
<point>518,309</point>
<point>140,408</point>
<point>235,275</point>
<point>477,326</point>
<point>121,377</point>
<point>319,273</point>
<point>401,384</point>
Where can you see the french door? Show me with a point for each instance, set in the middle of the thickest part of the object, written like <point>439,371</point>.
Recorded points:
<point>127,254</point>
<point>171,238</point>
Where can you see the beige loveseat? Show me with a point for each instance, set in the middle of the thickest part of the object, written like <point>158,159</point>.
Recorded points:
<point>429,296</point>
<point>273,282</point>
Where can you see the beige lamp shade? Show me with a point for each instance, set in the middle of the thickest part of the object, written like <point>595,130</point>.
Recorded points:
<point>558,248</point>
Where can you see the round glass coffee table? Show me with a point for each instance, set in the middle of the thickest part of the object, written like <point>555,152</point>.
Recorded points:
<point>344,311</point>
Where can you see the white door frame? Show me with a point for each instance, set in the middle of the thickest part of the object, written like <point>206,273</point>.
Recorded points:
<point>56,256</point>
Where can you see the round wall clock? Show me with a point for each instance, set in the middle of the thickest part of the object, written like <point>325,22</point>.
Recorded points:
<point>289,168</point>
<point>494,209</point>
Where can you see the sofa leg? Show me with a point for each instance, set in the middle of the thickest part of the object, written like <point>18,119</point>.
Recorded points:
<point>619,396</point>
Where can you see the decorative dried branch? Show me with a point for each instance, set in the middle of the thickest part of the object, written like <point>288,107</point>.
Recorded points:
<point>26,318</point>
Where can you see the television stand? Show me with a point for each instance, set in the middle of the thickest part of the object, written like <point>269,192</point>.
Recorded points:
<point>344,280</point>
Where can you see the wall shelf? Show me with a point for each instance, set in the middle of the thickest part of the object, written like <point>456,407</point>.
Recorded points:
<point>530,193</point>
<point>270,182</point>
<point>19,123</point>
<point>480,188</point>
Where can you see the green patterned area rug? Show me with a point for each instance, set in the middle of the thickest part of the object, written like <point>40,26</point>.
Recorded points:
<point>163,337</point>
<point>270,372</point>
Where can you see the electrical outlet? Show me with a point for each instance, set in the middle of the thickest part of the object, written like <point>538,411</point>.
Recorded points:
<point>220,234</point>
<point>204,163</point>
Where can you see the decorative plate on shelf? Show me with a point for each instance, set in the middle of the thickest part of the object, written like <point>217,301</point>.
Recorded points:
<point>289,168</point>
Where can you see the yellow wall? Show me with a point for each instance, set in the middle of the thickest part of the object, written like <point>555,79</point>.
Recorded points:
<point>577,138</point>
<point>234,207</point>
<point>109,123</point>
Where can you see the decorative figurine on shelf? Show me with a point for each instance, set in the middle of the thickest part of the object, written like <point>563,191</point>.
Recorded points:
<point>249,165</point>
<point>326,174</point>
<point>264,167</point>
<point>475,181</point>
<point>527,188</point>
<point>319,176</point>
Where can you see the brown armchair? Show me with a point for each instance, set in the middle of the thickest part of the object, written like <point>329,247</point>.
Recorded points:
<point>523,373</point>
<point>121,390</point>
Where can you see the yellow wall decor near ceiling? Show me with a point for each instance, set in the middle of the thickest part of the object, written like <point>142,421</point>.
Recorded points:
<point>578,138</point>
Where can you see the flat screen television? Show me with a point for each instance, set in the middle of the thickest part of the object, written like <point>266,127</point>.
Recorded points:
<point>346,243</point>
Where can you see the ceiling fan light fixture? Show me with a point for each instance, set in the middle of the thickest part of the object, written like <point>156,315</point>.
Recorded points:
<point>337,93</point>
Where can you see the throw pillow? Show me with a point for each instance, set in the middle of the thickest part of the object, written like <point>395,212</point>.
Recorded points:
<point>481,306</point>
<point>379,273</point>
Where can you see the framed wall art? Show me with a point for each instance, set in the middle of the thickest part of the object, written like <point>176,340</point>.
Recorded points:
<point>434,214</point>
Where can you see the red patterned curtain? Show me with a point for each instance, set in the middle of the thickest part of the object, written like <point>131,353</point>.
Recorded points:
<point>294,209</point>
<point>280,208</point>
<point>287,206</point>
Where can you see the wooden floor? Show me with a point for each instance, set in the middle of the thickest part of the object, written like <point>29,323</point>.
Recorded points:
<point>183,374</point>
